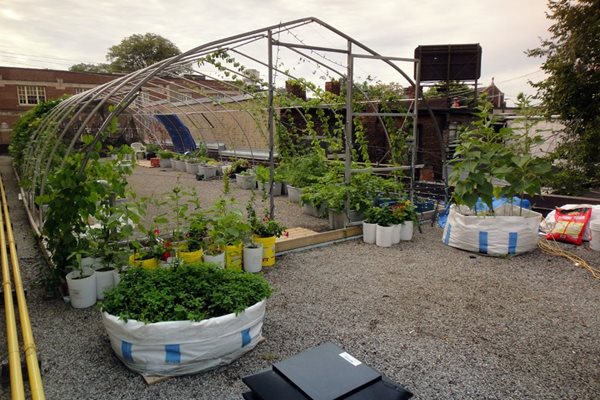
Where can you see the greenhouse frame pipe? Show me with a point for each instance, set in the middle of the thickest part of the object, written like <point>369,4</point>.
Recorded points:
<point>212,112</point>
<point>31,359</point>
<point>385,130</point>
<point>229,113</point>
<point>12,338</point>
<point>93,95</point>
<point>101,103</point>
<point>271,127</point>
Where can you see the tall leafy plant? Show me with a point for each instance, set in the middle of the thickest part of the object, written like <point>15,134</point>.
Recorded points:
<point>493,163</point>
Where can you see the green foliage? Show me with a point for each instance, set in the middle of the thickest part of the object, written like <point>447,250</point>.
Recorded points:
<point>228,223</point>
<point>166,154</point>
<point>404,210</point>
<point>304,170</point>
<point>25,127</point>
<point>264,226</point>
<point>99,68</point>
<point>381,216</point>
<point>364,187</point>
<point>140,51</point>
<point>485,157</point>
<point>190,292</point>
<point>76,192</point>
<point>571,89</point>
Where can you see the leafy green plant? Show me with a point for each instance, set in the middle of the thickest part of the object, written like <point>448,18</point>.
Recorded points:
<point>265,226</point>
<point>304,170</point>
<point>403,211</point>
<point>493,163</point>
<point>382,216</point>
<point>190,292</point>
<point>75,193</point>
<point>25,127</point>
<point>166,154</point>
<point>229,222</point>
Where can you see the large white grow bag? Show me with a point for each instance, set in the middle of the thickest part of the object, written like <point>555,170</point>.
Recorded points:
<point>184,347</point>
<point>511,231</point>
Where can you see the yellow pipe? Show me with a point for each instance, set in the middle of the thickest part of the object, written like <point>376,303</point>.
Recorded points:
<point>33,368</point>
<point>14,357</point>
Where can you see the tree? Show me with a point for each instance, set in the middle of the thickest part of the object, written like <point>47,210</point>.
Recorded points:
<point>572,91</point>
<point>139,51</point>
<point>100,68</point>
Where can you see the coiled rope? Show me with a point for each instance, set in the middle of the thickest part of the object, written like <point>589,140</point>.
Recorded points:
<point>553,248</point>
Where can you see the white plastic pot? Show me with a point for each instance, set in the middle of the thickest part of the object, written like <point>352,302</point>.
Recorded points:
<point>595,235</point>
<point>82,291</point>
<point>218,259</point>
<point>384,236</point>
<point>252,259</point>
<point>406,231</point>
<point>396,233</point>
<point>369,232</point>
<point>104,280</point>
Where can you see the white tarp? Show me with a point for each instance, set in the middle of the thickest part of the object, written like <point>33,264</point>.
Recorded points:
<point>184,347</point>
<point>512,230</point>
<point>550,221</point>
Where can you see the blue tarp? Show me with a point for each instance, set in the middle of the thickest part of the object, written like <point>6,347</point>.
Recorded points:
<point>180,134</point>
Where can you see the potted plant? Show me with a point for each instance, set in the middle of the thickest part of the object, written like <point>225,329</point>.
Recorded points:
<point>231,224</point>
<point>209,168</point>
<point>314,199</point>
<point>214,246</point>
<point>81,281</point>
<point>370,225</point>
<point>190,250</point>
<point>302,171</point>
<point>213,316</point>
<point>384,219</point>
<point>165,157</point>
<point>148,253</point>
<point>246,180</point>
<point>493,164</point>
<point>265,231</point>
<point>263,177</point>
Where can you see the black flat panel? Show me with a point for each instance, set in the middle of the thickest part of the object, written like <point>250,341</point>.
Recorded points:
<point>250,396</point>
<point>381,390</point>
<point>326,372</point>
<point>268,385</point>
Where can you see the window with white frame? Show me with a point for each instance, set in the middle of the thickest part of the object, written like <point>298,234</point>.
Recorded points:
<point>31,95</point>
<point>80,90</point>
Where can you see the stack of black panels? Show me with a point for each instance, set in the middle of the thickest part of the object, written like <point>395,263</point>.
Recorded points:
<point>326,372</point>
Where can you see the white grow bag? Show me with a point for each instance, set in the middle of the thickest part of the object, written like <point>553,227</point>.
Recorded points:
<point>184,347</point>
<point>511,231</point>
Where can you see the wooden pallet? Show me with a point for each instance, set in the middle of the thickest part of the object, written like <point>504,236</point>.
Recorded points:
<point>300,237</point>
<point>144,163</point>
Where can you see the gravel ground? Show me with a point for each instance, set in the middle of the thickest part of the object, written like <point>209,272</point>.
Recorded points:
<point>444,323</point>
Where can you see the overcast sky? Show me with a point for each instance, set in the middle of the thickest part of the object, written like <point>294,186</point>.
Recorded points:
<point>57,34</point>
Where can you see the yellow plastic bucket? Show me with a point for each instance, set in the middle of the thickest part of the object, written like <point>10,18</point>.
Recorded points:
<point>151,263</point>
<point>233,257</point>
<point>189,257</point>
<point>268,244</point>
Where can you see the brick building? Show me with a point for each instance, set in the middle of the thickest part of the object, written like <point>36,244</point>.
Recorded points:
<point>23,88</point>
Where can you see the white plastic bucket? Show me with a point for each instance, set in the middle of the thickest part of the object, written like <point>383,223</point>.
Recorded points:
<point>595,233</point>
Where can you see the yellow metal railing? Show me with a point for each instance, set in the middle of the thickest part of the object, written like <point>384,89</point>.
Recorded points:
<point>14,358</point>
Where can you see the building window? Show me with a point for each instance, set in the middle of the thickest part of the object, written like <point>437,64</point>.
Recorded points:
<point>80,90</point>
<point>31,95</point>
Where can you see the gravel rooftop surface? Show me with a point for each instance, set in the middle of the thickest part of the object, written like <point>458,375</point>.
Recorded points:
<point>444,323</point>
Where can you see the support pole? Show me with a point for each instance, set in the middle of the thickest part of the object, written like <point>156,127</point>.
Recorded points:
<point>413,158</point>
<point>349,121</point>
<point>271,128</point>
<point>14,357</point>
